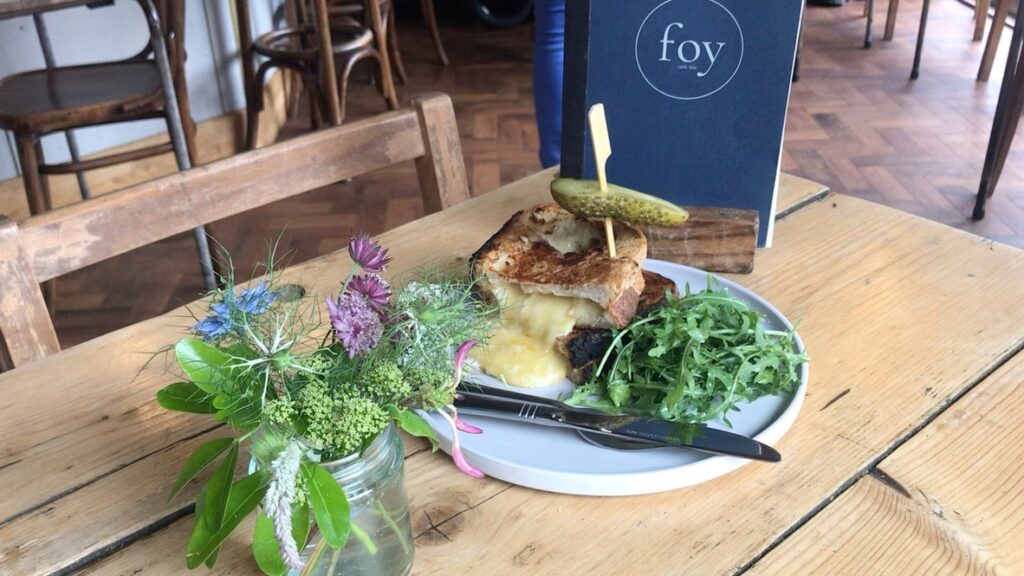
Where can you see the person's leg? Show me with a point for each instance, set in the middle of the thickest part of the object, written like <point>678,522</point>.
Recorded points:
<point>548,49</point>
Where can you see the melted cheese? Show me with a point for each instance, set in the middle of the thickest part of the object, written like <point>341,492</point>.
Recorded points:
<point>522,349</point>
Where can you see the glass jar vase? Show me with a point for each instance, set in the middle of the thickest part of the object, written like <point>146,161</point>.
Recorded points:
<point>374,484</point>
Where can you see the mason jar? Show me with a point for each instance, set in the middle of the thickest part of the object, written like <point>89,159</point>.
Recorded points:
<point>374,484</point>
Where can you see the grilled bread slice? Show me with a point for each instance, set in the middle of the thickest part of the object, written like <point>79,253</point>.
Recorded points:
<point>584,347</point>
<point>548,250</point>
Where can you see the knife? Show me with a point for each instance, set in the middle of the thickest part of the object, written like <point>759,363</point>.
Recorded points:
<point>510,405</point>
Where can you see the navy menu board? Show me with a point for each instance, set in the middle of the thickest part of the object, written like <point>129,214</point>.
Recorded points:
<point>695,92</point>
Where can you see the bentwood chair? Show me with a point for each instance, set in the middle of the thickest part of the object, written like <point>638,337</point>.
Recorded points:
<point>300,47</point>
<point>70,238</point>
<point>39,102</point>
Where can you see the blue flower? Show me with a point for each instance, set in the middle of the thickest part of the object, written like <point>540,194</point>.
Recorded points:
<point>256,300</point>
<point>212,327</point>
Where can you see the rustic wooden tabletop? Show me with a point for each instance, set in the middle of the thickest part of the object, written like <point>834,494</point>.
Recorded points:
<point>905,458</point>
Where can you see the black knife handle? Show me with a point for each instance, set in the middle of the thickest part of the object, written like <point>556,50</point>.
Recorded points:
<point>523,410</point>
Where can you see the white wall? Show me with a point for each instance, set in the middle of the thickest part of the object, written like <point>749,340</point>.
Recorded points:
<point>81,35</point>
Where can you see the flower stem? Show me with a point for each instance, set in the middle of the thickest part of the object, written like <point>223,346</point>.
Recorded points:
<point>318,550</point>
<point>391,523</point>
<point>364,538</point>
<point>334,562</point>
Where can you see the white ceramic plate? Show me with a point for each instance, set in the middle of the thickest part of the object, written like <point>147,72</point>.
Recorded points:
<point>559,460</point>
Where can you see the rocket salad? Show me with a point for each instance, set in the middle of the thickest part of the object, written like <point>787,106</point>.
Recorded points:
<point>692,360</point>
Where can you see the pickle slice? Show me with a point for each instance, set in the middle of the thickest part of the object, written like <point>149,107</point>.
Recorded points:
<point>585,198</point>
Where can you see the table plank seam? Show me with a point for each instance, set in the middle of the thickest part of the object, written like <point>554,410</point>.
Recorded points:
<point>890,482</point>
<point>126,541</point>
<point>813,199</point>
<point>99,477</point>
<point>874,462</point>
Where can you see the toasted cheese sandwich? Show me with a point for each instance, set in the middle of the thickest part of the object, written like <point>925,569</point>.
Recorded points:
<point>551,272</point>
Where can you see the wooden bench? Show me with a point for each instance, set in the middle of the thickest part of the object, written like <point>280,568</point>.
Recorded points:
<point>48,245</point>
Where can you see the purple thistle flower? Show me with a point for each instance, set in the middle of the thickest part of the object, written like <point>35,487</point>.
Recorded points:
<point>375,289</point>
<point>368,253</point>
<point>355,323</point>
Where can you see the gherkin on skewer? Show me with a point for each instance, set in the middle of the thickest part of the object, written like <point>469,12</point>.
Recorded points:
<point>585,198</point>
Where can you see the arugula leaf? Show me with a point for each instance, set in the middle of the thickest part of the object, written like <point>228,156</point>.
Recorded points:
<point>206,366</point>
<point>185,397</point>
<point>198,461</point>
<point>692,360</point>
<point>243,498</point>
<point>330,506</point>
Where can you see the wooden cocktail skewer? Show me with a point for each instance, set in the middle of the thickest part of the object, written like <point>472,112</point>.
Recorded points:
<point>602,150</point>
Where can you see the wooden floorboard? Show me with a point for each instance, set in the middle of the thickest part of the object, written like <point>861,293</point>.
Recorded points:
<point>856,123</point>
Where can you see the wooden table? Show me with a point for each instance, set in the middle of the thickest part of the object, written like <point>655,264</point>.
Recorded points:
<point>906,458</point>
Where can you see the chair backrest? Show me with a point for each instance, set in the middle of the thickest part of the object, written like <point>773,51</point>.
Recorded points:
<point>54,243</point>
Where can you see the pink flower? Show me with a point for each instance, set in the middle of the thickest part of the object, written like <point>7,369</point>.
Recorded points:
<point>372,287</point>
<point>462,465</point>
<point>457,456</point>
<point>465,426</point>
<point>355,323</point>
<point>368,254</point>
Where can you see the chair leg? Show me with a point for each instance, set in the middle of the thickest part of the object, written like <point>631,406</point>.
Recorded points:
<point>435,33</point>
<point>255,105</point>
<point>28,155</point>
<point>38,194</point>
<point>1014,110</point>
<point>44,180</point>
<point>890,20</point>
<point>396,54</point>
<point>995,34</point>
<point>869,8</point>
<point>980,17</point>
<point>915,70</point>
<point>387,77</point>
<point>1007,116</point>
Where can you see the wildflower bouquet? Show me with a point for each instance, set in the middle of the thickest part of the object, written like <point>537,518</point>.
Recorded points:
<point>303,393</point>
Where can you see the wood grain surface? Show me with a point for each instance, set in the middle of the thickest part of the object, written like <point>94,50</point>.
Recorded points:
<point>854,274</point>
<point>949,501</point>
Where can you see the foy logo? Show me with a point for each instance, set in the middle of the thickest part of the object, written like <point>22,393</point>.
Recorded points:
<point>689,49</point>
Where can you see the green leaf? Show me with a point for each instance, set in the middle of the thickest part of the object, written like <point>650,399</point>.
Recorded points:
<point>219,488</point>
<point>300,524</point>
<point>205,365</point>
<point>413,424</point>
<point>618,393</point>
<point>329,504</point>
<point>199,460</point>
<point>185,397</point>
<point>265,547</point>
<point>243,498</point>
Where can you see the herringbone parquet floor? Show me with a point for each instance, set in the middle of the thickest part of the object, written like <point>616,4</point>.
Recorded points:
<point>855,123</point>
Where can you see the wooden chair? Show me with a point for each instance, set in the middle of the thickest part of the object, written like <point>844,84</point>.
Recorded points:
<point>36,103</point>
<point>298,48</point>
<point>76,236</point>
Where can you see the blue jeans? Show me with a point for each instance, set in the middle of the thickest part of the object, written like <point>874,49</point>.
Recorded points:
<point>548,54</point>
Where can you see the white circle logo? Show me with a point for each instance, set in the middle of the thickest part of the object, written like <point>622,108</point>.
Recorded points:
<point>689,49</point>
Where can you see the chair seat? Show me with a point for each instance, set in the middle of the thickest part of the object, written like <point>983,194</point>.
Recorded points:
<point>45,100</point>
